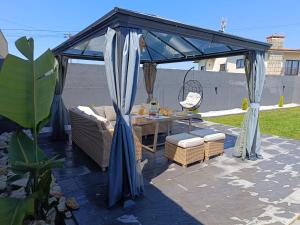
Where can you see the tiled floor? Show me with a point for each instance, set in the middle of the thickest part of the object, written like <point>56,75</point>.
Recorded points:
<point>225,190</point>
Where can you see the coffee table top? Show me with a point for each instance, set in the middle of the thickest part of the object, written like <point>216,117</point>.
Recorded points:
<point>146,119</point>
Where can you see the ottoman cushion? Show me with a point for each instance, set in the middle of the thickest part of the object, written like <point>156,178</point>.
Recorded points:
<point>214,137</point>
<point>208,135</point>
<point>185,140</point>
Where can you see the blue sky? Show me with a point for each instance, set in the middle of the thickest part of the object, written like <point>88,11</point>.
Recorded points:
<point>253,19</point>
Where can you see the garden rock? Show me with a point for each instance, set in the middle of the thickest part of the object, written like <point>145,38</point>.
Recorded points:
<point>39,222</point>
<point>51,215</point>
<point>3,160</point>
<point>68,214</point>
<point>72,203</point>
<point>3,183</point>
<point>61,207</point>
<point>3,170</point>
<point>56,191</point>
<point>20,193</point>
<point>3,145</point>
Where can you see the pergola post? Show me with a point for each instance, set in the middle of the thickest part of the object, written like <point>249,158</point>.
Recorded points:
<point>248,143</point>
<point>122,62</point>
<point>59,113</point>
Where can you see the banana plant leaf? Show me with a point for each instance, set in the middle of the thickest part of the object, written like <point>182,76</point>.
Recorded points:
<point>27,85</point>
<point>21,154</point>
<point>44,188</point>
<point>13,210</point>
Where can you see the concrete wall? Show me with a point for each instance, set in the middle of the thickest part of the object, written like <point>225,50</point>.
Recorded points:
<point>86,84</point>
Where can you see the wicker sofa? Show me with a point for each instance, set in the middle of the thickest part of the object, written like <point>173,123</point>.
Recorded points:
<point>147,129</point>
<point>94,137</point>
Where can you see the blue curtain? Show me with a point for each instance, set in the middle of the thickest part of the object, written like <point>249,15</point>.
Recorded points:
<point>249,141</point>
<point>122,62</point>
<point>59,113</point>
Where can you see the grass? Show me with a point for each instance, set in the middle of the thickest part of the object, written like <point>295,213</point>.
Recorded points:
<point>281,122</point>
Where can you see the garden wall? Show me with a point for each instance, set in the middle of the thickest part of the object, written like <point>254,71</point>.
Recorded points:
<point>86,84</point>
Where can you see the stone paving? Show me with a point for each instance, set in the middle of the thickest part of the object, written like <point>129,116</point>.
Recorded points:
<point>225,190</point>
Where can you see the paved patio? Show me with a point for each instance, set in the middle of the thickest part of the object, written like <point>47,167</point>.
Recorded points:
<point>225,190</point>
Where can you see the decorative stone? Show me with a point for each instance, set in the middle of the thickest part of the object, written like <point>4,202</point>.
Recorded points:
<point>21,182</point>
<point>20,193</point>
<point>3,170</point>
<point>4,160</point>
<point>51,215</point>
<point>38,222</point>
<point>4,195</point>
<point>72,203</point>
<point>56,191</point>
<point>3,183</point>
<point>61,207</point>
<point>68,214</point>
<point>51,200</point>
<point>3,144</point>
<point>10,174</point>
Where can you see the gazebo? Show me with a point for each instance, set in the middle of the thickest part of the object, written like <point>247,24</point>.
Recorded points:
<point>125,39</point>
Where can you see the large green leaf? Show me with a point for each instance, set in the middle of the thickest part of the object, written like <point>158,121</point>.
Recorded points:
<point>13,210</point>
<point>27,86</point>
<point>22,156</point>
<point>44,187</point>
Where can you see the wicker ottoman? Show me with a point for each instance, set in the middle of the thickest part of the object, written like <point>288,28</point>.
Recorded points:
<point>184,148</point>
<point>213,142</point>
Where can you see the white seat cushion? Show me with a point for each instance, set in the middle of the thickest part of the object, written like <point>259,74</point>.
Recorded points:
<point>87,110</point>
<point>192,99</point>
<point>214,137</point>
<point>185,140</point>
<point>208,135</point>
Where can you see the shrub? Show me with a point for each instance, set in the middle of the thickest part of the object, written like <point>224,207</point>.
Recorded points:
<point>244,104</point>
<point>195,111</point>
<point>281,101</point>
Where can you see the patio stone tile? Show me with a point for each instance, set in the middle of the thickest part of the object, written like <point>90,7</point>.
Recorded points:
<point>224,190</point>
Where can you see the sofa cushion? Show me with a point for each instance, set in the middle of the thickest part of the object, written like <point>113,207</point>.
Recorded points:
<point>110,113</point>
<point>208,135</point>
<point>99,110</point>
<point>185,140</point>
<point>101,121</point>
<point>135,109</point>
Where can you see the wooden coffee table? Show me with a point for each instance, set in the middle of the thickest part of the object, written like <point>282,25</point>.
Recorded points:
<point>143,120</point>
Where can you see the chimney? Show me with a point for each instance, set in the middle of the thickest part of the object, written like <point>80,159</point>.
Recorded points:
<point>276,40</point>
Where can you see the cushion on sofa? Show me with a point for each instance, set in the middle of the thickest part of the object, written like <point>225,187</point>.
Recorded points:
<point>102,121</point>
<point>135,109</point>
<point>99,110</point>
<point>185,140</point>
<point>110,113</point>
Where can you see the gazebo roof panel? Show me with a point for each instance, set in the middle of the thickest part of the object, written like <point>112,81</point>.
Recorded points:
<point>165,40</point>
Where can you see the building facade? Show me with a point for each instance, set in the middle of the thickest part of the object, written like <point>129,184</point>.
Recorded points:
<point>279,60</point>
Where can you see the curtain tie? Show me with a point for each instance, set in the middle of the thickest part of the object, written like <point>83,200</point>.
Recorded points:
<point>254,105</point>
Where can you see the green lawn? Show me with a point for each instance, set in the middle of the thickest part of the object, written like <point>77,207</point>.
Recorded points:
<point>281,122</point>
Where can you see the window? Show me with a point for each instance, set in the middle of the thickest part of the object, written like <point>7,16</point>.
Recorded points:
<point>223,67</point>
<point>291,67</point>
<point>203,68</point>
<point>240,63</point>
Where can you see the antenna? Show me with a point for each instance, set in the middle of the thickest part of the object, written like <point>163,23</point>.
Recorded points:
<point>68,36</point>
<point>223,24</point>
